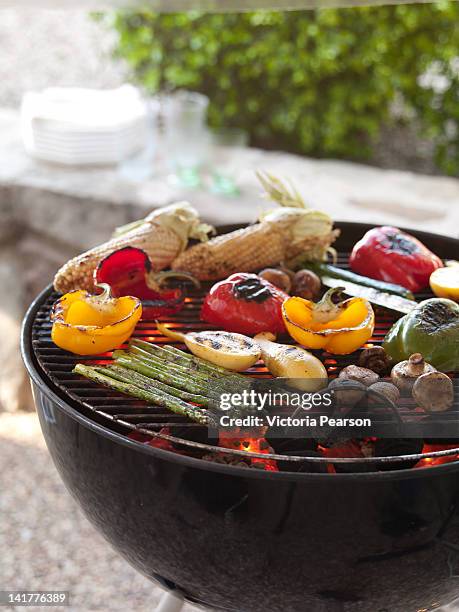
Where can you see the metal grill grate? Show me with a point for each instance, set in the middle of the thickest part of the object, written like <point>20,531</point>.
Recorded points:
<point>128,414</point>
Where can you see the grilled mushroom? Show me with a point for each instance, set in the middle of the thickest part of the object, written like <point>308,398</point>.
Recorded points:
<point>306,284</point>
<point>357,374</point>
<point>278,278</point>
<point>347,393</point>
<point>405,373</point>
<point>434,392</point>
<point>386,389</point>
<point>375,358</point>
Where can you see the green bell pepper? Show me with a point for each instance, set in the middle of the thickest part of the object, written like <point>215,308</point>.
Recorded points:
<point>431,329</point>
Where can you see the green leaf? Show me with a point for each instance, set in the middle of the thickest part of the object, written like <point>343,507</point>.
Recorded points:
<point>314,82</point>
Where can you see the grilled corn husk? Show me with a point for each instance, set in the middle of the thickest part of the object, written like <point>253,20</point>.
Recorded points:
<point>280,236</point>
<point>163,235</point>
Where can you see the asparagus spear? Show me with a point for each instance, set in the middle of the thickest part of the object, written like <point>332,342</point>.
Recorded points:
<point>144,382</point>
<point>200,364</point>
<point>219,376</point>
<point>160,352</point>
<point>175,355</point>
<point>187,378</point>
<point>177,368</point>
<point>164,375</point>
<point>170,402</point>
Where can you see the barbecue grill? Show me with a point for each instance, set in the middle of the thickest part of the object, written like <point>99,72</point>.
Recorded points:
<point>241,539</point>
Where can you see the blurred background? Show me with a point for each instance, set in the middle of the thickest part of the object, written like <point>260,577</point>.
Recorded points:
<point>106,116</point>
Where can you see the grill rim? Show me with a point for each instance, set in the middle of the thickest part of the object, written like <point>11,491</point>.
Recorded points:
<point>46,387</point>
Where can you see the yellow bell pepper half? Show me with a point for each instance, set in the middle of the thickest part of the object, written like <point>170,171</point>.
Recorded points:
<point>444,282</point>
<point>87,324</point>
<point>335,325</point>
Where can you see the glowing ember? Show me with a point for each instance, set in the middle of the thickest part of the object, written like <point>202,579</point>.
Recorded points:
<point>349,448</point>
<point>234,441</point>
<point>431,461</point>
<point>239,440</point>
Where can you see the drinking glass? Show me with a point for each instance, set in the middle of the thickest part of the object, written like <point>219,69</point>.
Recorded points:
<point>226,143</point>
<point>185,135</point>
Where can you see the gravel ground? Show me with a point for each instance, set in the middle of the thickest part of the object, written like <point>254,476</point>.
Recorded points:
<point>45,541</point>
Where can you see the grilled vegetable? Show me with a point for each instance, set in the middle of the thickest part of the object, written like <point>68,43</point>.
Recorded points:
<point>280,236</point>
<point>163,372</point>
<point>405,373</point>
<point>176,357</point>
<point>434,391</point>
<point>245,303</point>
<point>379,298</point>
<point>165,376</point>
<point>327,270</point>
<point>229,350</point>
<point>103,376</point>
<point>347,392</point>
<point>444,282</point>
<point>278,278</point>
<point>163,235</point>
<point>336,325</point>
<point>88,324</point>
<point>384,389</point>
<point>375,358</point>
<point>388,254</point>
<point>288,361</point>
<point>128,272</point>
<point>431,329</point>
<point>148,383</point>
<point>358,374</point>
<point>306,284</point>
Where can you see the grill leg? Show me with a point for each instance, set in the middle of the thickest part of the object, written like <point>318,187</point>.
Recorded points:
<point>170,602</point>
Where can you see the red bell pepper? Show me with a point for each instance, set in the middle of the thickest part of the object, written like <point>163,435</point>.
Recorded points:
<point>388,254</point>
<point>128,272</point>
<point>246,304</point>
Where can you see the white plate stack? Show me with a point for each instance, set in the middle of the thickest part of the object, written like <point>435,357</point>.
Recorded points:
<point>76,126</point>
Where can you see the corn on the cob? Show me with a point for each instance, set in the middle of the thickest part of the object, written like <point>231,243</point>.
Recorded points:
<point>163,235</point>
<point>281,235</point>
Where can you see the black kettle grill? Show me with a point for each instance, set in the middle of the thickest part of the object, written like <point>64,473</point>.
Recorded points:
<point>231,538</point>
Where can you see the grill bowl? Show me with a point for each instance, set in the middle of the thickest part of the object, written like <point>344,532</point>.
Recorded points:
<point>239,539</point>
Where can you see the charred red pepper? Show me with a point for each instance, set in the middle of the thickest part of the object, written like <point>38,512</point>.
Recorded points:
<point>388,254</point>
<point>129,272</point>
<point>245,303</point>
